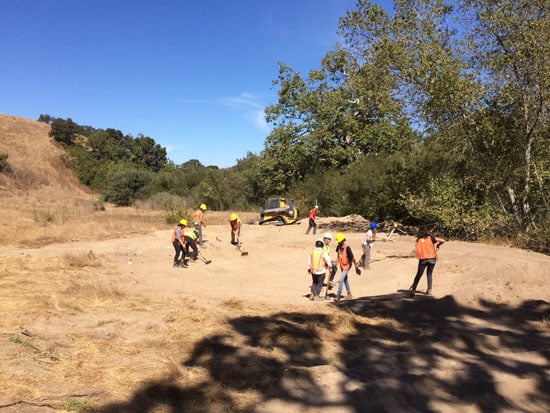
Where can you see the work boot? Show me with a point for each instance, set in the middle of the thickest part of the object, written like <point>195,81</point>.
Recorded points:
<point>349,296</point>
<point>311,297</point>
<point>338,298</point>
<point>429,291</point>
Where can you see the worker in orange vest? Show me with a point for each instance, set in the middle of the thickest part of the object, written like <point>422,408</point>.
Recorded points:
<point>345,260</point>
<point>426,251</point>
<point>178,242</point>
<point>236,224</point>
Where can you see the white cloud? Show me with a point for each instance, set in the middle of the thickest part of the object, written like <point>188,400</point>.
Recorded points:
<point>250,106</point>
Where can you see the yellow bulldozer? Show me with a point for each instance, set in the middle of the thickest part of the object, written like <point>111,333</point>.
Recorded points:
<point>279,211</point>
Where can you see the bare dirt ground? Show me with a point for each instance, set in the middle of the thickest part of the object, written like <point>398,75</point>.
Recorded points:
<point>94,318</point>
<point>124,331</point>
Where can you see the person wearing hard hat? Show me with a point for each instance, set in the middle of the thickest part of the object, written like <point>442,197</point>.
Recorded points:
<point>179,244</point>
<point>327,237</point>
<point>345,259</point>
<point>312,217</point>
<point>367,245</point>
<point>190,236</point>
<point>235,223</point>
<point>198,221</point>
<point>318,263</point>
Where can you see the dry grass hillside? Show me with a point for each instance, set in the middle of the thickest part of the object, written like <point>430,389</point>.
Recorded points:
<point>43,202</point>
<point>95,318</point>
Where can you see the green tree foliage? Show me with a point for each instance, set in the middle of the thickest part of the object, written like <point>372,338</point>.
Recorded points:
<point>46,119</point>
<point>436,114</point>
<point>470,78</point>
<point>340,113</point>
<point>64,131</point>
<point>5,167</point>
<point>125,184</point>
<point>148,154</point>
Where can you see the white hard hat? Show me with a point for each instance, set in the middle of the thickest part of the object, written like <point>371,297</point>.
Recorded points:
<point>327,235</point>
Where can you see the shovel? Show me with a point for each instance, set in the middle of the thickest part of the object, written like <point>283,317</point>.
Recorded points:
<point>203,259</point>
<point>241,249</point>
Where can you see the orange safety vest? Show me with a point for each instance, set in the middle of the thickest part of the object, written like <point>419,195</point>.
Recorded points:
<point>343,257</point>
<point>318,262</point>
<point>235,224</point>
<point>425,248</point>
<point>174,236</point>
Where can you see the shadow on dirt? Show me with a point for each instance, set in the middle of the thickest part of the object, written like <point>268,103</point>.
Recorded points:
<point>393,355</point>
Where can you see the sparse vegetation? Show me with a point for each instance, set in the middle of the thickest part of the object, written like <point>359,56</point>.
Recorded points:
<point>5,167</point>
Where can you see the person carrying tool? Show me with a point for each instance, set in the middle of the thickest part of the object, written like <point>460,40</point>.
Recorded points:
<point>312,217</point>
<point>367,245</point>
<point>236,224</point>
<point>190,237</point>
<point>345,259</point>
<point>198,221</point>
<point>327,237</point>
<point>318,263</point>
<point>179,244</point>
<point>426,251</point>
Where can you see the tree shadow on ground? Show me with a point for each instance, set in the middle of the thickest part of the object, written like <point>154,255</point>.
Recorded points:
<point>392,355</point>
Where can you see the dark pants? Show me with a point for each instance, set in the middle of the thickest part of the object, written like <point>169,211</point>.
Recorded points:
<point>190,243</point>
<point>312,224</point>
<point>317,283</point>
<point>333,270</point>
<point>180,251</point>
<point>422,265</point>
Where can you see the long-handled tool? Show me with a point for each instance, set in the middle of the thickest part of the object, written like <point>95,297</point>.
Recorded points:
<point>241,249</point>
<point>204,259</point>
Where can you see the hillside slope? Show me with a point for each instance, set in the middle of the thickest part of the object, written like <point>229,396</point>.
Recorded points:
<point>42,201</point>
<point>36,160</point>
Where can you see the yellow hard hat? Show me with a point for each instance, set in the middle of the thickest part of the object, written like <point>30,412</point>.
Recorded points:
<point>183,222</point>
<point>203,207</point>
<point>340,237</point>
<point>234,217</point>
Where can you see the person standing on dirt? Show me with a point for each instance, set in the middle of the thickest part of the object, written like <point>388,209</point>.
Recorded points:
<point>236,224</point>
<point>312,217</point>
<point>426,251</point>
<point>345,259</point>
<point>198,221</point>
<point>327,237</point>
<point>317,265</point>
<point>178,242</point>
<point>367,245</point>
<point>190,238</point>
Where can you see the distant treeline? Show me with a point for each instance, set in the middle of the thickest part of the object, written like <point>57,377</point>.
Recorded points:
<point>435,116</point>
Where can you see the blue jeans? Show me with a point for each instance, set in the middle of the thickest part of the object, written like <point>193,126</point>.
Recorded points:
<point>343,280</point>
<point>198,227</point>
<point>428,264</point>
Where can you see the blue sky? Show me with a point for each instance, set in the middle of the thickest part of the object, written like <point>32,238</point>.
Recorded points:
<point>193,75</point>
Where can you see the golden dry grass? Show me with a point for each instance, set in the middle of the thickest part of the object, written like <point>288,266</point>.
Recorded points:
<point>77,333</point>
